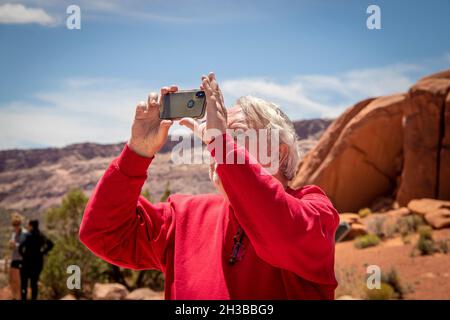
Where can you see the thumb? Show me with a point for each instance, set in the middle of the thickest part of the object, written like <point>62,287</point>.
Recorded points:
<point>163,130</point>
<point>189,123</point>
<point>196,128</point>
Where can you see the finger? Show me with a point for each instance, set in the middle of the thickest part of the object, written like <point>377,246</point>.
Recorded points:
<point>189,123</point>
<point>173,88</point>
<point>153,104</point>
<point>164,91</point>
<point>213,81</point>
<point>141,110</point>
<point>206,85</point>
<point>163,130</point>
<point>194,126</point>
<point>152,99</point>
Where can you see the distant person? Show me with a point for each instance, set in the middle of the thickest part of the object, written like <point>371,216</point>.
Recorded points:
<point>17,237</point>
<point>33,249</point>
<point>257,239</point>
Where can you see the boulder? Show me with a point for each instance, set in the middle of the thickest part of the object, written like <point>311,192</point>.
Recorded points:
<point>109,291</point>
<point>426,129</point>
<point>425,206</point>
<point>346,297</point>
<point>350,218</point>
<point>435,212</point>
<point>395,147</point>
<point>144,294</point>
<point>439,218</point>
<point>398,213</point>
<point>444,164</point>
<point>359,157</point>
<point>356,227</point>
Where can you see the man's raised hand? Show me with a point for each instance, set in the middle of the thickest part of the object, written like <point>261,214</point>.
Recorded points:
<point>216,113</point>
<point>149,132</point>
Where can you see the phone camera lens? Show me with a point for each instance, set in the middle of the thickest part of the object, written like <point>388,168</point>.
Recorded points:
<point>200,94</point>
<point>190,104</point>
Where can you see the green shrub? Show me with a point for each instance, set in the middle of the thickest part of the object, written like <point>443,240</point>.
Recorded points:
<point>409,224</point>
<point>62,227</point>
<point>376,225</point>
<point>385,292</point>
<point>393,280</point>
<point>364,212</point>
<point>368,240</point>
<point>443,246</point>
<point>425,244</point>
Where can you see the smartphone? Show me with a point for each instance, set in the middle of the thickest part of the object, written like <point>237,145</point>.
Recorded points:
<point>184,103</point>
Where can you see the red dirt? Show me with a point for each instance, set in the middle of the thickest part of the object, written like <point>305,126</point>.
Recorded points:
<point>428,277</point>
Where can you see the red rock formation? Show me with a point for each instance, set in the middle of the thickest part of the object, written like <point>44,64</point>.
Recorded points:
<point>359,156</point>
<point>424,132</point>
<point>395,146</point>
<point>444,173</point>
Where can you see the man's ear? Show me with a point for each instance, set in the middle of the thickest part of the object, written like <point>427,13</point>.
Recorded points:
<point>283,151</point>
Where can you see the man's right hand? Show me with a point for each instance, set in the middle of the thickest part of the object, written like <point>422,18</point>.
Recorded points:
<point>149,132</point>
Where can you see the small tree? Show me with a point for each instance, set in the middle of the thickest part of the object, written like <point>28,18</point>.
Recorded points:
<point>62,227</point>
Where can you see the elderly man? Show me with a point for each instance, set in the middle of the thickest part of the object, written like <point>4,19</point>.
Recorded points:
<point>256,239</point>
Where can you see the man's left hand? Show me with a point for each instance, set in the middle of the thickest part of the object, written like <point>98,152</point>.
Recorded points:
<point>216,113</point>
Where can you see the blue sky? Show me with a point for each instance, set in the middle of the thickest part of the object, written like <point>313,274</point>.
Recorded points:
<point>314,58</point>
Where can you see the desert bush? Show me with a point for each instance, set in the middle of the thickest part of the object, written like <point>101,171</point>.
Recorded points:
<point>385,292</point>
<point>368,240</point>
<point>391,278</point>
<point>375,225</point>
<point>409,224</point>
<point>62,227</point>
<point>425,244</point>
<point>364,212</point>
<point>349,282</point>
<point>443,246</point>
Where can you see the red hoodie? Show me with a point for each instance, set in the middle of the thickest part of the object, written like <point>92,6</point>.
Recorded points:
<point>288,246</point>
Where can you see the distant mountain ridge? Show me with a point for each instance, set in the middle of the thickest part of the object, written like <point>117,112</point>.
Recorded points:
<point>32,180</point>
<point>15,159</point>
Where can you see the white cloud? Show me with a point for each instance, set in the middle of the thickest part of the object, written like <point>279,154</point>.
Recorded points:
<point>19,14</point>
<point>101,110</point>
<point>81,110</point>
<point>325,95</point>
<point>292,94</point>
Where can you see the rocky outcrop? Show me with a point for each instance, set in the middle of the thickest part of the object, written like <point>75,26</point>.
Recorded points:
<point>424,173</point>
<point>396,146</point>
<point>398,213</point>
<point>357,228</point>
<point>109,291</point>
<point>435,212</point>
<point>352,161</point>
<point>444,167</point>
<point>144,294</point>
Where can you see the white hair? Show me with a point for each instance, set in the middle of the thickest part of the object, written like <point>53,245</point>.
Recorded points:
<point>261,114</point>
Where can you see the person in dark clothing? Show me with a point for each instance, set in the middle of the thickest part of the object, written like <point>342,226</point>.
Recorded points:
<point>33,249</point>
